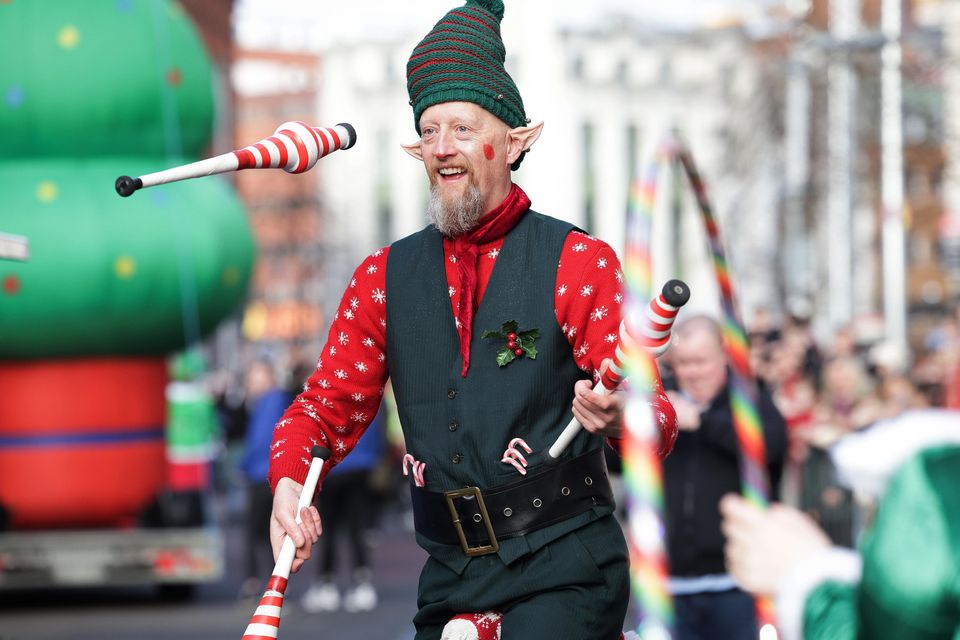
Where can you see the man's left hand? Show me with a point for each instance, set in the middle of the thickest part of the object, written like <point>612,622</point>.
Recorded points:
<point>599,414</point>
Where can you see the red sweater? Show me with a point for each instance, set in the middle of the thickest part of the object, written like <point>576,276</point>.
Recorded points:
<point>343,395</point>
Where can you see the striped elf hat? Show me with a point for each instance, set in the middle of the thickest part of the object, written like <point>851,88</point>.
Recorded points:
<point>461,60</point>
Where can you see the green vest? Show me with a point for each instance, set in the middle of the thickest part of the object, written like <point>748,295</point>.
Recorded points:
<point>460,426</point>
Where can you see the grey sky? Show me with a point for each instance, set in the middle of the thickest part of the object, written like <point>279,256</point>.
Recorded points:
<point>310,25</point>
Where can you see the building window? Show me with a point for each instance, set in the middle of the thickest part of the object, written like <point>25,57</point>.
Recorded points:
<point>632,137</point>
<point>622,74</point>
<point>389,69</point>
<point>576,67</point>
<point>666,72</point>
<point>589,178</point>
<point>727,79</point>
<point>384,205</point>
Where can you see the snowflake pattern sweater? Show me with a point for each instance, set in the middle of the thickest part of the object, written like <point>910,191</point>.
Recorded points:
<point>343,394</point>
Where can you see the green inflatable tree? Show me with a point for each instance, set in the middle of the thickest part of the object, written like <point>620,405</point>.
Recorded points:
<point>89,91</point>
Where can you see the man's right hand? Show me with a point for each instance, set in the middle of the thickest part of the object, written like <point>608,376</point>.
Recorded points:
<point>283,522</point>
<point>688,414</point>
<point>765,545</point>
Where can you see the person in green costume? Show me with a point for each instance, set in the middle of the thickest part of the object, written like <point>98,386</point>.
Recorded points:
<point>490,323</point>
<point>904,582</point>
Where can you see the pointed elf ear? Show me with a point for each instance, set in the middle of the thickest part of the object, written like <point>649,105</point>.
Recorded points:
<point>415,150</point>
<point>521,139</point>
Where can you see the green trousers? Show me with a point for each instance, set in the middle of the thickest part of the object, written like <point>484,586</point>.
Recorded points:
<point>574,588</point>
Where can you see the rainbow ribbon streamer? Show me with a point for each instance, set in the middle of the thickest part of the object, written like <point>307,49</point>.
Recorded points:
<point>743,394</point>
<point>743,389</point>
<point>642,472</point>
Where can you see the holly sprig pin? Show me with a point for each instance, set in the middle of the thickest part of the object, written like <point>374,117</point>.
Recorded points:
<point>519,343</point>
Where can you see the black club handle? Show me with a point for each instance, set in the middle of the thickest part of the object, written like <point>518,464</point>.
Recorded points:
<point>125,185</point>
<point>676,293</point>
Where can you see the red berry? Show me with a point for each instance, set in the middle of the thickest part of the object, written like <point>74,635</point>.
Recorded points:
<point>512,344</point>
<point>518,352</point>
<point>511,336</point>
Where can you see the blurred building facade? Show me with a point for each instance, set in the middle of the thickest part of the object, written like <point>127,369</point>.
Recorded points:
<point>284,315</point>
<point>213,19</point>
<point>948,14</point>
<point>784,121</point>
<point>837,132</point>
<point>609,96</point>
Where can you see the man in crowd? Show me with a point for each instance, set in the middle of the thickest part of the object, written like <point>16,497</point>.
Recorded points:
<point>702,468</point>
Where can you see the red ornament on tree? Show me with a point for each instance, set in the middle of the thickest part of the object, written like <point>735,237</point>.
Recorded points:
<point>11,285</point>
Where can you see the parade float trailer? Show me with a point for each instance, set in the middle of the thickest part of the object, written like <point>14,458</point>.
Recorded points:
<point>104,462</point>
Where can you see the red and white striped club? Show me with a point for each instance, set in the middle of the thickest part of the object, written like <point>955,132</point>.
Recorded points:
<point>651,332</point>
<point>265,623</point>
<point>294,147</point>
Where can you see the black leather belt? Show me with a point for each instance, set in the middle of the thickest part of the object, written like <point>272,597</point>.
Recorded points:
<point>477,519</point>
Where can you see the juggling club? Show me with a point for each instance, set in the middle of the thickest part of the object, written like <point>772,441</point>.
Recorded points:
<point>265,623</point>
<point>651,332</point>
<point>294,147</point>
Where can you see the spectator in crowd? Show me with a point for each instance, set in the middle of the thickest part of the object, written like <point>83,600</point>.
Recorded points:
<point>847,403</point>
<point>346,506</point>
<point>798,329</point>
<point>703,467</point>
<point>795,395</point>
<point>793,389</point>
<point>266,401</point>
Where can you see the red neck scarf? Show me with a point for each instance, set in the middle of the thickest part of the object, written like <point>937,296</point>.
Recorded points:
<point>466,247</point>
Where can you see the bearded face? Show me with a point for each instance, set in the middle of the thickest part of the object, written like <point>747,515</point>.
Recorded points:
<point>467,152</point>
<point>455,213</point>
<point>464,150</point>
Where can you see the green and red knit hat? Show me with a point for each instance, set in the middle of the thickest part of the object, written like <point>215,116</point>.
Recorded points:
<point>461,60</point>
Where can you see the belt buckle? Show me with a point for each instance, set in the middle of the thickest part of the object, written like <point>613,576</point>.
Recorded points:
<point>472,492</point>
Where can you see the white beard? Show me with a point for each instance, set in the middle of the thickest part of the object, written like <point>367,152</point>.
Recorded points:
<point>457,217</point>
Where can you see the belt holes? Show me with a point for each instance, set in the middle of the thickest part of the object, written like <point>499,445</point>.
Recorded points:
<point>508,512</point>
<point>565,491</point>
<point>477,517</point>
<point>588,481</point>
<point>537,502</point>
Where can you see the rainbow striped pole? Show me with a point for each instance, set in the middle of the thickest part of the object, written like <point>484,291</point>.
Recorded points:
<point>642,472</point>
<point>746,419</point>
<point>743,394</point>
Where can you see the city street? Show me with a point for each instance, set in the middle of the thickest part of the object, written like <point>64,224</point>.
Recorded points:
<point>242,238</point>
<point>215,612</point>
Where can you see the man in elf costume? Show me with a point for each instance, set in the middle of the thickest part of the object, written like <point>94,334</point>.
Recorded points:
<point>490,323</point>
